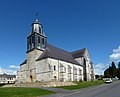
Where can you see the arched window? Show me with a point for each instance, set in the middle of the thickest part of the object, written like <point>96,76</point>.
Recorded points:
<point>38,39</point>
<point>32,39</point>
<point>80,71</point>
<point>43,41</point>
<point>39,29</point>
<point>54,68</point>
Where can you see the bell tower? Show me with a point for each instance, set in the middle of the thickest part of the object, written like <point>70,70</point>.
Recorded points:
<point>36,44</point>
<point>37,38</point>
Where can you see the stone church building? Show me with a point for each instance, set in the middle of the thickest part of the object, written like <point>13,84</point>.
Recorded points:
<point>45,62</point>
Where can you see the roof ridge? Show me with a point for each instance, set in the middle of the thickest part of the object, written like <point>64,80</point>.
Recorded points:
<point>83,49</point>
<point>58,47</point>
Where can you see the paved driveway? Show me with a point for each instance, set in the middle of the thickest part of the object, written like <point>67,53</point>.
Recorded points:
<point>107,90</point>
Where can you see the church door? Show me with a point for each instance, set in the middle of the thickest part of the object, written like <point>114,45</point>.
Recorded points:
<point>31,78</point>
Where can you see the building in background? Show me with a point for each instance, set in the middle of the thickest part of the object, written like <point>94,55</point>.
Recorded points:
<point>7,79</point>
<point>45,62</point>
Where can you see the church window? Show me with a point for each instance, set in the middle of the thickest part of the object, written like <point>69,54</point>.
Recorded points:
<point>69,69</point>
<point>54,68</point>
<point>43,41</point>
<point>80,71</point>
<point>74,70</point>
<point>32,39</point>
<point>39,30</point>
<point>35,29</point>
<point>38,39</point>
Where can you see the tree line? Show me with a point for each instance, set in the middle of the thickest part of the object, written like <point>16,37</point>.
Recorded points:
<point>112,71</point>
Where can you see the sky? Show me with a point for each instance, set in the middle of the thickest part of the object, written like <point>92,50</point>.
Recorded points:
<point>68,24</point>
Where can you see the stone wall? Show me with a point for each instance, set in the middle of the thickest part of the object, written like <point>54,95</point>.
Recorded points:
<point>56,70</point>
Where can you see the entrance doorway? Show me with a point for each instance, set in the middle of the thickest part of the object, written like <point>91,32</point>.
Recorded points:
<point>31,78</point>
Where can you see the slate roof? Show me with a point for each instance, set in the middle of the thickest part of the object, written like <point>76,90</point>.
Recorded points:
<point>60,54</point>
<point>57,53</point>
<point>24,62</point>
<point>11,76</point>
<point>7,76</point>
<point>2,75</point>
<point>78,53</point>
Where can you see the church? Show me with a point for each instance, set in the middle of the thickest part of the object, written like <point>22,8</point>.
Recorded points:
<point>45,62</point>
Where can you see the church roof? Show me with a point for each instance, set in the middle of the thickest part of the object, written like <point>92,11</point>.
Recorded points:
<point>24,62</point>
<point>78,53</point>
<point>57,53</point>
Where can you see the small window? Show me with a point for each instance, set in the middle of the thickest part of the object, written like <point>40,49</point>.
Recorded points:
<point>43,41</point>
<point>38,39</point>
<point>32,39</point>
<point>54,68</point>
<point>39,30</point>
<point>80,71</point>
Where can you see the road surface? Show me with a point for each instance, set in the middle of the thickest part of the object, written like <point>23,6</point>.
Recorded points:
<point>107,90</point>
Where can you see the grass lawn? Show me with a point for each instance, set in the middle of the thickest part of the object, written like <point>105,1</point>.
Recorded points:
<point>23,92</point>
<point>82,85</point>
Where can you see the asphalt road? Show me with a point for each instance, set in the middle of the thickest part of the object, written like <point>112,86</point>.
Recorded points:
<point>107,90</point>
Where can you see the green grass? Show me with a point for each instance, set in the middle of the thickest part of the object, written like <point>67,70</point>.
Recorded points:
<point>82,85</point>
<point>23,92</point>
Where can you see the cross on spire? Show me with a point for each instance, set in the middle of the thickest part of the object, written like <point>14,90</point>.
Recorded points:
<point>36,15</point>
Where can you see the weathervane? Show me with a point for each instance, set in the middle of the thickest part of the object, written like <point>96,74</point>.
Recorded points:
<point>36,15</point>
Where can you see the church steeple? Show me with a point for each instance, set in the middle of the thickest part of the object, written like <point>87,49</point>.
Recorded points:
<point>37,38</point>
<point>36,27</point>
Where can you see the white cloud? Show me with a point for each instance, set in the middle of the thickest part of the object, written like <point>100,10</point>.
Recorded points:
<point>99,68</point>
<point>11,70</point>
<point>14,67</point>
<point>99,72</point>
<point>115,56</point>
<point>117,50</point>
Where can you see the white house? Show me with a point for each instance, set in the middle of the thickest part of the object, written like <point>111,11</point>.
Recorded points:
<point>45,62</point>
<point>7,79</point>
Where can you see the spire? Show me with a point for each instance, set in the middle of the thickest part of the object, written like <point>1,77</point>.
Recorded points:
<point>37,38</point>
<point>36,27</point>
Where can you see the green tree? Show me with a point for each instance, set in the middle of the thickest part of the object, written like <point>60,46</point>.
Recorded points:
<point>111,72</point>
<point>106,73</point>
<point>118,70</point>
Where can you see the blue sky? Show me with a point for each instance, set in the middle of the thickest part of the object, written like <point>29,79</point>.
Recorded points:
<point>68,24</point>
